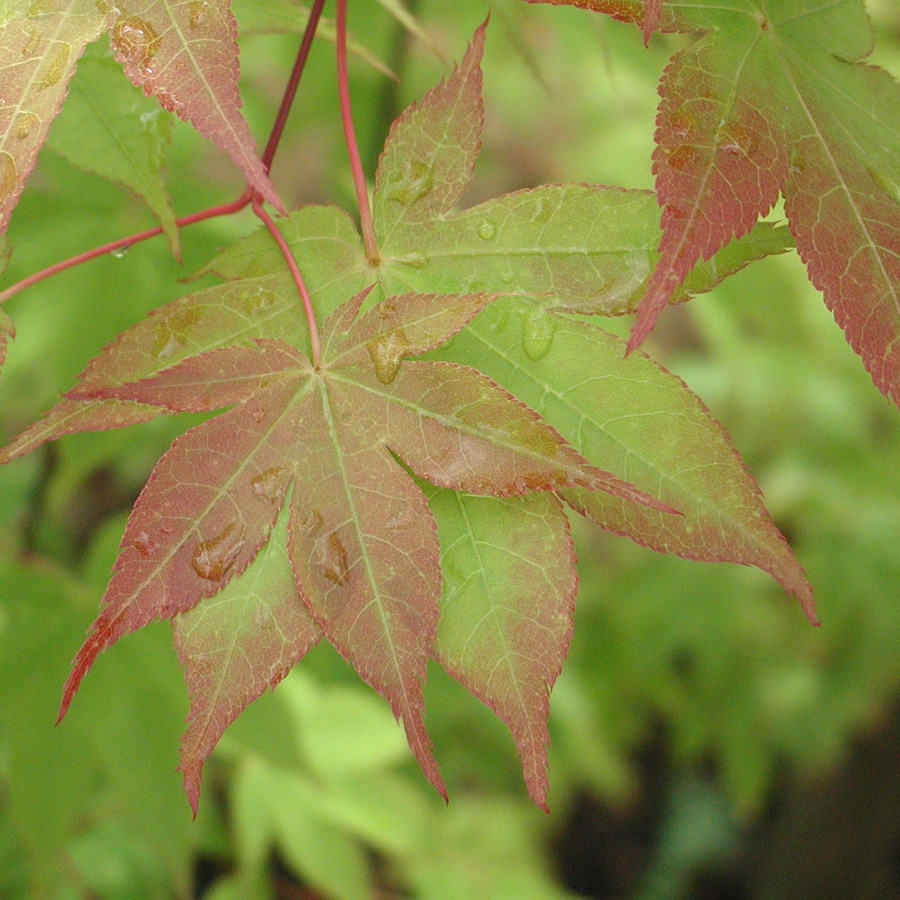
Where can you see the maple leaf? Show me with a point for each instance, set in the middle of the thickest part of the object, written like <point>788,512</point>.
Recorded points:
<point>261,302</point>
<point>506,609</point>
<point>107,127</point>
<point>40,42</point>
<point>182,53</point>
<point>774,98</point>
<point>588,249</point>
<point>361,541</point>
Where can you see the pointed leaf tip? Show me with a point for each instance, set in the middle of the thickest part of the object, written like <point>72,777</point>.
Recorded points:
<point>652,15</point>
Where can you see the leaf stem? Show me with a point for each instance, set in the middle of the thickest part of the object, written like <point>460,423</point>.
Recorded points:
<point>266,219</point>
<point>226,209</point>
<point>359,179</point>
<point>290,90</point>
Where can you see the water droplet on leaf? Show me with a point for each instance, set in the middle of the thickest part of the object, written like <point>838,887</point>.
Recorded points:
<point>135,41</point>
<point>487,230</point>
<point>9,176</point>
<point>414,260</point>
<point>144,544</point>
<point>25,125</point>
<point>213,559</point>
<point>30,46</point>
<point>386,351</point>
<point>259,301</point>
<point>54,65</point>
<point>167,343</point>
<point>537,337</point>
<point>119,252</point>
<point>737,141</point>
<point>268,486</point>
<point>410,183</point>
<point>331,558</point>
<point>197,10</point>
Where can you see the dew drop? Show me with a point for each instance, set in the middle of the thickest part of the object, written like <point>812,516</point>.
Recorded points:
<point>9,177</point>
<point>144,544</point>
<point>259,301</point>
<point>135,41</point>
<point>386,351</point>
<point>890,187</point>
<point>539,329</point>
<point>414,260</point>
<point>197,10</point>
<point>543,212</point>
<point>30,46</point>
<point>738,141</point>
<point>55,65</point>
<point>25,125</point>
<point>213,559</point>
<point>487,230</point>
<point>167,343</point>
<point>410,183</point>
<point>268,486</point>
<point>119,252</point>
<point>331,558</point>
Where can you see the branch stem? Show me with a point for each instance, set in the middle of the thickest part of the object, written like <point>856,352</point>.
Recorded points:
<point>266,219</point>
<point>290,90</point>
<point>226,209</point>
<point>359,179</point>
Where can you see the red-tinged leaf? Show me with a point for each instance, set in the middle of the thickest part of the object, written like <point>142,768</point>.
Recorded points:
<point>634,419</point>
<point>40,43</point>
<point>719,163</point>
<point>588,249</point>
<point>775,97</point>
<point>421,184</point>
<point>224,315</point>
<point>185,54</point>
<point>72,416</point>
<point>506,609</point>
<point>364,549</point>
<point>362,542</point>
<point>652,15</point>
<point>235,645</point>
<point>200,520</point>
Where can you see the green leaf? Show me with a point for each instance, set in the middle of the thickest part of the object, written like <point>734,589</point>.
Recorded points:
<point>506,609</point>
<point>109,128</point>
<point>583,248</point>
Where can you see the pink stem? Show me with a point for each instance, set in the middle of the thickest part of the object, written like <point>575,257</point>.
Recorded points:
<point>359,179</point>
<point>266,219</point>
<point>291,89</point>
<point>226,209</point>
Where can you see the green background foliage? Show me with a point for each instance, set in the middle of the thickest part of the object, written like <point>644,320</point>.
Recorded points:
<point>696,702</point>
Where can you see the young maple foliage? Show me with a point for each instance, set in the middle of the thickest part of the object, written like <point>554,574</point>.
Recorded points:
<point>774,98</point>
<point>361,540</point>
<point>353,553</point>
<point>184,54</point>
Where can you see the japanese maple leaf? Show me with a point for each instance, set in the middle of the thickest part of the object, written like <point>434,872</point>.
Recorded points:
<point>182,52</point>
<point>774,98</point>
<point>361,541</point>
<point>588,249</point>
